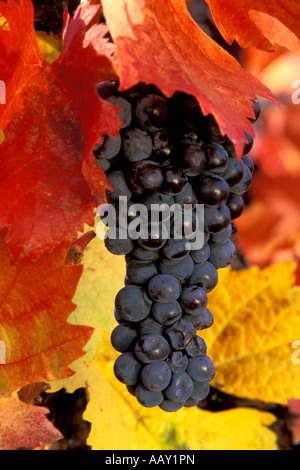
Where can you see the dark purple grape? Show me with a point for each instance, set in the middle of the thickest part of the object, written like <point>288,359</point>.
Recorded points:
<point>125,110</point>
<point>201,368</point>
<point>222,254</point>
<point>170,406</point>
<point>151,112</point>
<point>180,388</point>
<point>248,162</point>
<point>132,303</point>
<point>181,269</point>
<point>150,326</point>
<point>118,181</point>
<point>187,196</point>
<point>222,236</point>
<point>148,398</point>
<point>145,177</point>
<point>244,184</point>
<point>137,144</point>
<point>202,255</point>
<point>164,288</point>
<point>166,314</point>
<point>212,190</point>
<point>155,240</point>
<point>196,347</point>
<point>127,368</point>
<point>217,218</point>
<point>178,361</point>
<point>248,144</point>
<point>162,147</point>
<point>256,109</point>
<point>117,241</point>
<point>106,89</point>
<point>216,158</point>
<point>213,133</point>
<point>140,272</point>
<point>234,172</point>
<point>109,148</point>
<point>157,376</point>
<point>175,249</point>
<point>200,390</point>
<point>191,160</point>
<point>174,181</point>
<point>151,348</point>
<point>141,254</point>
<point>180,334</point>
<point>202,320</point>
<point>192,299</point>
<point>205,275</point>
<point>236,205</point>
<point>123,337</point>
<point>188,133</point>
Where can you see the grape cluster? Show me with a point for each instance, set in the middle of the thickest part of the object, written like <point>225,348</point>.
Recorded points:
<point>166,153</point>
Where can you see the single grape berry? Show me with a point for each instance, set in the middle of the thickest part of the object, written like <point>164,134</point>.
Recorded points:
<point>174,181</point>
<point>216,158</point>
<point>235,204</point>
<point>192,299</point>
<point>180,388</point>
<point>132,303</point>
<point>191,159</point>
<point>212,190</point>
<point>145,177</point>
<point>164,288</point>
<point>156,376</point>
<point>127,368</point>
<point>137,144</point>
<point>151,112</point>
<point>151,348</point>
<point>148,398</point>
<point>201,368</point>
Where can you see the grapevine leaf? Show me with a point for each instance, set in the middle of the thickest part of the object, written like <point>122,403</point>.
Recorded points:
<point>274,236</point>
<point>24,426</point>
<point>256,322</point>
<point>52,120</point>
<point>258,23</point>
<point>117,420</point>
<point>169,50</point>
<point>50,46</point>
<point>38,343</point>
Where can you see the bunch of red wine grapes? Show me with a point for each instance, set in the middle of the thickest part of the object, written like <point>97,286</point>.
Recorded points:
<point>169,153</point>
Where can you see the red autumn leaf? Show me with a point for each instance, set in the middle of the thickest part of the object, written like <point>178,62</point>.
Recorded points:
<point>269,229</point>
<point>169,50</point>
<point>24,426</point>
<point>52,120</point>
<point>38,344</point>
<point>277,145</point>
<point>273,235</point>
<point>258,23</point>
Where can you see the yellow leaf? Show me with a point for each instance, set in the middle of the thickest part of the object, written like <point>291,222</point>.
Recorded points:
<point>49,45</point>
<point>118,421</point>
<point>257,319</point>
